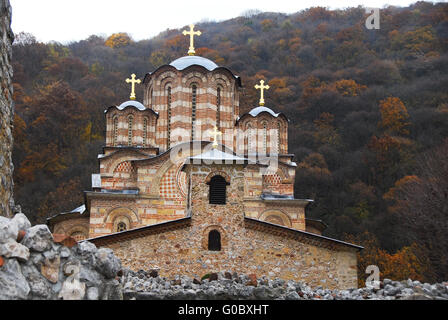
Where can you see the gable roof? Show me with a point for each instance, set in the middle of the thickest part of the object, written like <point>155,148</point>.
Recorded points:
<point>302,236</point>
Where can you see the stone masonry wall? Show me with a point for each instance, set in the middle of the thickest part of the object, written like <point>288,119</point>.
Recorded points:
<point>244,250</point>
<point>6,110</point>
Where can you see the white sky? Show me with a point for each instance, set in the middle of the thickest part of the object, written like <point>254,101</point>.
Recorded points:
<point>72,20</point>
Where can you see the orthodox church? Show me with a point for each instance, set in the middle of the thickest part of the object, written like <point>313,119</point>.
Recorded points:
<point>187,185</point>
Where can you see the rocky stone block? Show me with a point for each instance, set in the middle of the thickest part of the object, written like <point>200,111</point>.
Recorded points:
<point>38,238</point>
<point>12,249</point>
<point>107,263</point>
<point>13,285</point>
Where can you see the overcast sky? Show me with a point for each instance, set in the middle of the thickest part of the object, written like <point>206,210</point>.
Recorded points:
<point>70,20</point>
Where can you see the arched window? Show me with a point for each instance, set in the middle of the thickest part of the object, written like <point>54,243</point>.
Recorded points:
<point>115,131</point>
<point>168,111</point>
<point>265,138</point>
<point>279,127</point>
<point>193,108</point>
<point>251,139</point>
<point>218,107</point>
<point>145,131</point>
<point>214,240</point>
<point>78,235</point>
<point>217,190</point>
<point>130,120</point>
<point>121,226</point>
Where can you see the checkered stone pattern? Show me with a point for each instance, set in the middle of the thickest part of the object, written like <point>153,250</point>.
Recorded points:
<point>168,185</point>
<point>272,179</point>
<point>124,166</point>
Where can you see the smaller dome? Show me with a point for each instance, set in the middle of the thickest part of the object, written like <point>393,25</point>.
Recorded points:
<point>256,111</point>
<point>187,61</point>
<point>131,103</point>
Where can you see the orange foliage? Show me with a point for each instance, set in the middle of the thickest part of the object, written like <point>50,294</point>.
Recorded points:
<point>348,87</point>
<point>408,262</point>
<point>118,40</point>
<point>175,42</point>
<point>394,116</point>
<point>267,24</point>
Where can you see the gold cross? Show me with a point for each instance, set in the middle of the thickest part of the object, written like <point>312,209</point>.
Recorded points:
<point>192,33</point>
<point>133,82</point>
<point>261,87</point>
<point>215,133</point>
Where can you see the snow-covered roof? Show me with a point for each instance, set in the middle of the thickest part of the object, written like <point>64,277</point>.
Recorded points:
<point>256,111</point>
<point>217,155</point>
<point>185,62</point>
<point>80,209</point>
<point>131,103</point>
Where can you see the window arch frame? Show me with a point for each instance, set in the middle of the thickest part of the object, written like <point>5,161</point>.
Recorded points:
<point>115,130</point>
<point>218,106</point>
<point>168,113</point>
<point>214,242</point>
<point>215,186</point>
<point>119,220</point>
<point>145,131</point>
<point>194,97</point>
<point>264,146</point>
<point>130,133</point>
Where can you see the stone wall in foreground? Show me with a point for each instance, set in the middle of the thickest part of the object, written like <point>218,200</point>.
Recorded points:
<point>148,285</point>
<point>6,110</point>
<point>34,265</point>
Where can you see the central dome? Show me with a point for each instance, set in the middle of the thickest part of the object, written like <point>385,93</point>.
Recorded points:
<point>187,61</point>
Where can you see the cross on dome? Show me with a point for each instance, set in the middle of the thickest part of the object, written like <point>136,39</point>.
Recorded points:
<point>133,81</point>
<point>261,87</point>
<point>192,33</point>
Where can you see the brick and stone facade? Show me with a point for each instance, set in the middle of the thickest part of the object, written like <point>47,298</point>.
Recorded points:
<point>248,245</point>
<point>151,200</point>
<point>6,110</point>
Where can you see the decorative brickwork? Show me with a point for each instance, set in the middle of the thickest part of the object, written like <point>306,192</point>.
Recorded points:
<point>153,207</point>
<point>246,247</point>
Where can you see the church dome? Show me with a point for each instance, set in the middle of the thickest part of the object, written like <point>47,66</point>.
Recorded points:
<point>187,61</point>
<point>256,111</point>
<point>131,103</point>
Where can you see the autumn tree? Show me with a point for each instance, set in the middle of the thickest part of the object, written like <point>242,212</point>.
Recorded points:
<point>408,262</point>
<point>421,202</point>
<point>118,40</point>
<point>394,116</point>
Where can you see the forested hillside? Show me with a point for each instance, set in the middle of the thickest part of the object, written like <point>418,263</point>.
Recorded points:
<point>368,111</point>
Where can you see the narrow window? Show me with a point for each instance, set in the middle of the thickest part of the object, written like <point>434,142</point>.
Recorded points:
<point>130,120</point>
<point>115,131</point>
<point>218,108</point>
<point>145,131</point>
<point>265,138</point>
<point>121,226</point>
<point>217,190</point>
<point>193,109</point>
<point>278,137</point>
<point>251,139</point>
<point>214,240</point>
<point>168,116</point>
